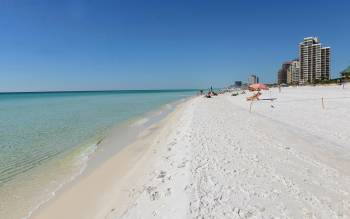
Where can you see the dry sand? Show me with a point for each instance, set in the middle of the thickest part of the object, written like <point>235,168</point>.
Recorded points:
<point>212,158</point>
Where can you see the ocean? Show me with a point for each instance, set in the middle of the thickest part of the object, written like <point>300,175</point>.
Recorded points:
<point>46,138</point>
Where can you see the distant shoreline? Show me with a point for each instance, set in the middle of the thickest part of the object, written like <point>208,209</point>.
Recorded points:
<point>102,91</point>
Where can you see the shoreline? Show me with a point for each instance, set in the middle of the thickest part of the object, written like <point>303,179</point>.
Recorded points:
<point>119,160</point>
<point>217,157</point>
<point>48,140</point>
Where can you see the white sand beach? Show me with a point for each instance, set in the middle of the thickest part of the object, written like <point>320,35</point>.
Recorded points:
<point>212,158</point>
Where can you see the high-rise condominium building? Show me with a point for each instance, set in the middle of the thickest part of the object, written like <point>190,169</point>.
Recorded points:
<point>314,60</point>
<point>284,74</point>
<point>295,71</point>
<point>289,73</point>
<point>325,62</point>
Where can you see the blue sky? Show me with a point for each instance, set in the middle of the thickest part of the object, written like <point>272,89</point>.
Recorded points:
<point>93,45</point>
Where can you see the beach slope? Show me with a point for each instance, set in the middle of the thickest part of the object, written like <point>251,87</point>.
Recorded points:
<point>213,158</point>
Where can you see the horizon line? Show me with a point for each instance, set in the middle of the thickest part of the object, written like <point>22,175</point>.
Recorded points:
<point>108,90</point>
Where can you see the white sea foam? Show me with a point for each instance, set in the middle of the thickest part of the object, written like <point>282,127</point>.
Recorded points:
<point>141,122</point>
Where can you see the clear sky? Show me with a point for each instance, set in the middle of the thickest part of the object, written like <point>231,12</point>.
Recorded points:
<point>131,44</point>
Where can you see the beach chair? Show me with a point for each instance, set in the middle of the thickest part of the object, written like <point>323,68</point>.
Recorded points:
<point>254,97</point>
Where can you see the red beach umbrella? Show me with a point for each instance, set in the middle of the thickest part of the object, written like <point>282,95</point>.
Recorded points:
<point>258,86</point>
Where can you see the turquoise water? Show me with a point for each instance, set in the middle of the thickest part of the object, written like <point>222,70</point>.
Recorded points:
<point>39,130</point>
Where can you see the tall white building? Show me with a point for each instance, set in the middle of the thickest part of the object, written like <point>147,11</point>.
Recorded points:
<point>314,60</point>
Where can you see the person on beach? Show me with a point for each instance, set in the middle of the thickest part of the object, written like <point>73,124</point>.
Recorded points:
<point>254,97</point>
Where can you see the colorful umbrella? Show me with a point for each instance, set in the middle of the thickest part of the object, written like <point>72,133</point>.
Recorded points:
<point>258,87</point>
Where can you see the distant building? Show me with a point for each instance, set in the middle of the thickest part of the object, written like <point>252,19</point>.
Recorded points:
<point>289,72</point>
<point>314,60</point>
<point>253,79</point>
<point>325,63</point>
<point>238,83</point>
<point>284,74</point>
<point>281,78</point>
<point>295,71</point>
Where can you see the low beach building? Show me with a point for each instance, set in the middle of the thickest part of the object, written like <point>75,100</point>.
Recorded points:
<point>253,79</point>
<point>238,83</point>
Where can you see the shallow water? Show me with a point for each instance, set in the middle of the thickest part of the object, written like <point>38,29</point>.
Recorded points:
<point>46,138</point>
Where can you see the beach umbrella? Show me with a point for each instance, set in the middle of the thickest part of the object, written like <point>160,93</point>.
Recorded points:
<point>258,86</point>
